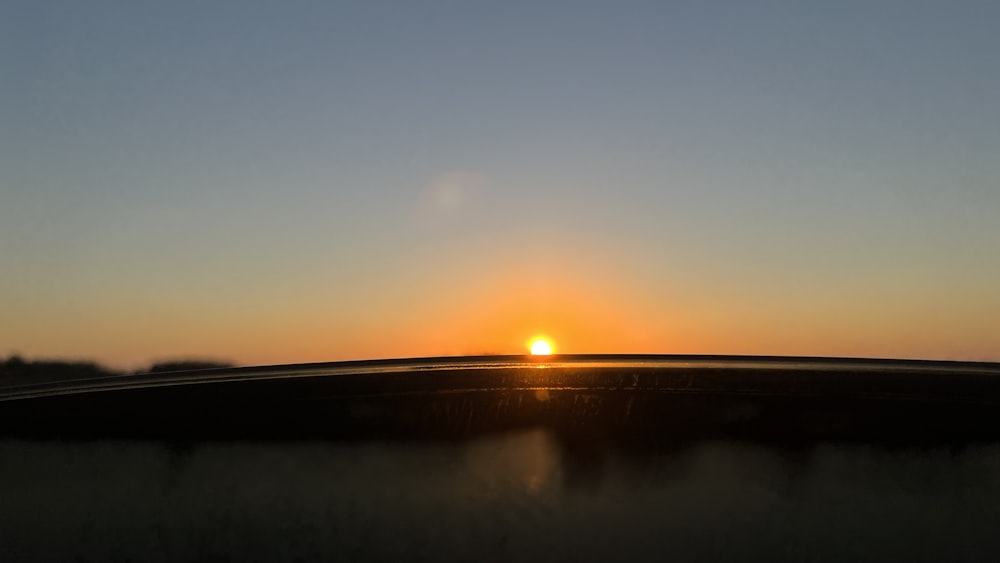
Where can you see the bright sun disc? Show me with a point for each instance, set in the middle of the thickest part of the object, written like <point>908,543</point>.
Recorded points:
<point>540,348</point>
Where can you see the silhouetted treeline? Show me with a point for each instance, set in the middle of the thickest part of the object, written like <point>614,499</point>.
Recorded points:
<point>18,371</point>
<point>185,365</point>
<point>15,370</point>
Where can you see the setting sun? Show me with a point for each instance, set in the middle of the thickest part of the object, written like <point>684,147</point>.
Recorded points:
<point>541,348</point>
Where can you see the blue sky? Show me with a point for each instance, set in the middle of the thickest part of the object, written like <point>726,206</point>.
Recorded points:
<point>301,181</point>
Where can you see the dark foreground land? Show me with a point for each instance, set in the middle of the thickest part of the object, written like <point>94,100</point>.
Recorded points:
<point>623,400</point>
<point>570,458</point>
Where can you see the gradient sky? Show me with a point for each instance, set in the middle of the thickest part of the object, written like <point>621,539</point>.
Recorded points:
<point>272,182</point>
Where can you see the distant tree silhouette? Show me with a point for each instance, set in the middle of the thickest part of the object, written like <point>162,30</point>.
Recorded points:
<point>15,370</point>
<point>14,362</point>
<point>186,365</point>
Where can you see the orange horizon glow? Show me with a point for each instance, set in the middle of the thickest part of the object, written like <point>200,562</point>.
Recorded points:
<point>486,309</point>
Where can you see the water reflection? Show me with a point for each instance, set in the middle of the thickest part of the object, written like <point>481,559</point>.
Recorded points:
<point>521,496</point>
<point>517,464</point>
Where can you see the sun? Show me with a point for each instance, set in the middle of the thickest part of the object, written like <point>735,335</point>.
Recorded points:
<point>541,347</point>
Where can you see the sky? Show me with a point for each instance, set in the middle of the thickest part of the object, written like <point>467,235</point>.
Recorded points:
<point>299,181</point>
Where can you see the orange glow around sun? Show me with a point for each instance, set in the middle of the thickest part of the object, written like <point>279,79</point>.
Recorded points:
<point>540,347</point>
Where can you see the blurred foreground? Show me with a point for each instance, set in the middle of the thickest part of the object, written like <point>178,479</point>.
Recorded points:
<point>508,459</point>
<point>514,497</point>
